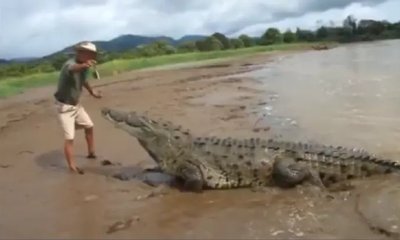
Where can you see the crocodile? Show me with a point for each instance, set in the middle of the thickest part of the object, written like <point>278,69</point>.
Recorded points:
<point>224,163</point>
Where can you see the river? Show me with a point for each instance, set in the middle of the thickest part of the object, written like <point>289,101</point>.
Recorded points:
<point>348,95</point>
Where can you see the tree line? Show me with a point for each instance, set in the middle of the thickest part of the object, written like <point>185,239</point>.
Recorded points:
<point>351,30</point>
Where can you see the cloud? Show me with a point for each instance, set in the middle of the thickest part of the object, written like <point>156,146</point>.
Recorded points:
<point>336,15</point>
<point>36,28</point>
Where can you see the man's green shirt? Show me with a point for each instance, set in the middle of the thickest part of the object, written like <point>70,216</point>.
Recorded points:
<point>70,84</point>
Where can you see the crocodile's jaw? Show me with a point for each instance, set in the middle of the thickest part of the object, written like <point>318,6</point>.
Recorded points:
<point>134,124</point>
<point>118,119</point>
<point>112,115</point>
<point>161,143</point>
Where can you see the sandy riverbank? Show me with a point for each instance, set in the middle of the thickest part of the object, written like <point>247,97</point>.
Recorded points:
<point>40,199</point>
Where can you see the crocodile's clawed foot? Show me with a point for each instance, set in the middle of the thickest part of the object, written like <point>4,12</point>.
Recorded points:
<point>287,173</point>
<point>316,180</point>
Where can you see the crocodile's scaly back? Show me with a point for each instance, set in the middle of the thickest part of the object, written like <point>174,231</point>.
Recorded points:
<point>228,163</point>
<point>334,164</point>
<point>231,162</point>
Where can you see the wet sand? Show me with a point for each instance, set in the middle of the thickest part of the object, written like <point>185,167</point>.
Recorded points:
<point>40,199</point>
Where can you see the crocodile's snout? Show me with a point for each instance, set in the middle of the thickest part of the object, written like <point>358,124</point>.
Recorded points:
<point>105,111</point>
<point>114,115</point>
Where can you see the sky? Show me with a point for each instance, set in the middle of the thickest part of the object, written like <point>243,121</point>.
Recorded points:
<point>35,28</point>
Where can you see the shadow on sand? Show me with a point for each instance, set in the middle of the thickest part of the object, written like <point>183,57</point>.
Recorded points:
<point>54,161</point>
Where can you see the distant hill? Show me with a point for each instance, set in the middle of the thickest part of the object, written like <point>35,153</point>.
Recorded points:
<point>23,59</point>
<point>190,38</point>
<point>129,41</point>
<point>118,44</point>
<point>18,60</point>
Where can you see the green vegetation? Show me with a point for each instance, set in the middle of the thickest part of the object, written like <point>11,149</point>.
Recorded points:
<point>13,85</point>
<point>16,76</point>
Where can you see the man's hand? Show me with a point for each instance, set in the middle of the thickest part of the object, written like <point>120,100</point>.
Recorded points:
<point>92,92</point>
<point>90,63</point>
<point>96,94</point>
<point>81,66</point>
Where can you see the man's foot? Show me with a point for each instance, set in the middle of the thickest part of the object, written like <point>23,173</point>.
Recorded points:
<point>76,170</point>
<point>91,156</point>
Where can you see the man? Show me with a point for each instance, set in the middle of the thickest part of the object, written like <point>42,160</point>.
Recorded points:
<point>71,114</point>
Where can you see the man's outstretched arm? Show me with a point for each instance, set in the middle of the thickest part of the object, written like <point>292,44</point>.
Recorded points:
<point>90,90</point>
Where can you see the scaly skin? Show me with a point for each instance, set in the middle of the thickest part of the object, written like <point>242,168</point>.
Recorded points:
<point>218,163</point>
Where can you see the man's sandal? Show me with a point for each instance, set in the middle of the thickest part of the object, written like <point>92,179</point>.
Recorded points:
<point>91,156</point>
<point>80,171</point>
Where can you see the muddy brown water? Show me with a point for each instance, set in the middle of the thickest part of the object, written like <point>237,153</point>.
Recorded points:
<point>343,96</point>
<point>347,95</point>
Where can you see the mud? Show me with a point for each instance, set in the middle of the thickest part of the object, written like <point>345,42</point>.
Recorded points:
<point>120,197</point>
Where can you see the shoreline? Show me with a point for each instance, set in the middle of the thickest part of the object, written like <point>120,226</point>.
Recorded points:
<point>12,86</point>
<point>31,99</point>
<point>36,93</point>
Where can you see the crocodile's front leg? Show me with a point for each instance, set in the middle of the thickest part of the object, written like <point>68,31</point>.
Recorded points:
<point>192,178</point>
<point>288,173</point>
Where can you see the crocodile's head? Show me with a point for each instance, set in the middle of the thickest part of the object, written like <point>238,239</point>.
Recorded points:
<point>162,140</point>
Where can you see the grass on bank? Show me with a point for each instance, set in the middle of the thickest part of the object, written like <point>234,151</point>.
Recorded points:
<point>14,85</point>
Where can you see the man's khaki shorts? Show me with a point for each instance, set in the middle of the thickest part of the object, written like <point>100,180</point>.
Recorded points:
<point>71,118</point>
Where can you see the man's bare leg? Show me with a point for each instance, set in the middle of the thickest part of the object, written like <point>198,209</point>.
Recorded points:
<point>68,151</point>
<point>90,142</point>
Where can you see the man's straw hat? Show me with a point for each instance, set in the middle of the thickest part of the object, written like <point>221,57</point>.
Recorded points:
<point>86,46</point>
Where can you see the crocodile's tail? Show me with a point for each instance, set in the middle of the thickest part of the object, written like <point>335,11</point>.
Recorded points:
<point>337,163</point>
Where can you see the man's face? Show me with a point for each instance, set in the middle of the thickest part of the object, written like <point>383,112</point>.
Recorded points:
<point>84,56</point>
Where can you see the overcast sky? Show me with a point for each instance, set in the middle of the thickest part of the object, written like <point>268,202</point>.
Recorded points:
<point>39,27</point>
